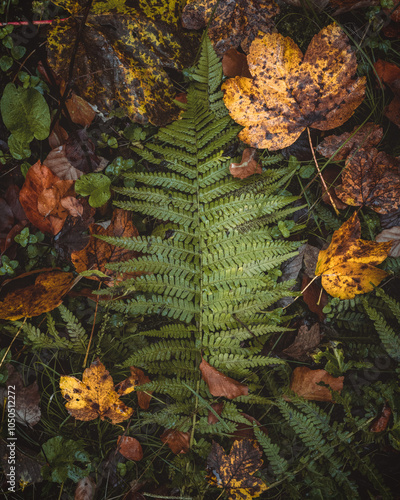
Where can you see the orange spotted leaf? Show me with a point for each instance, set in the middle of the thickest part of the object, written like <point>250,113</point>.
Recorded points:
<point>94,396</point>
<point>289,92</point>
<point>347,266</point>
<point>34,293</point>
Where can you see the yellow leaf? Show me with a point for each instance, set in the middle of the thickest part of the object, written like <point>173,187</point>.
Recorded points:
<point>289,93</point>
<point>95,396</point>
<point>347,266</point>
<point>235,472</point>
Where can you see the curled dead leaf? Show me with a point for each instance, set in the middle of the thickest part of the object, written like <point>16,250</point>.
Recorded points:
<point>248,166</point>
<point>177,441</point>
<point>221,385</point>
<point>304,383</point>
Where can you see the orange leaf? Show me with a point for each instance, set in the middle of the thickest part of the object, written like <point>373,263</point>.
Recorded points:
<point>304,383</point>
<point>380,423</point>
<point>130,448</point>
<point>178,441</point>
<point>41,197</point>
<point>221,385</point>
<point>95,396</point>
<point>98,253</point>
<point>34,293</point>
<point>348,265</point>
<point>289,93</point>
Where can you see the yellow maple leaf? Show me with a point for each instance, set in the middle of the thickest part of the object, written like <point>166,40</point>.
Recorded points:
<point>94,396</point>
<point>289,92</point>
<point>347,266</point>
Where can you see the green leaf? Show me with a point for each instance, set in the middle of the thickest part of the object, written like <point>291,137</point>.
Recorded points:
<point>5,63</point>
<point>60,455</point>
<point>96,186</point>
<point>26,115</point>
<point>18,51</point>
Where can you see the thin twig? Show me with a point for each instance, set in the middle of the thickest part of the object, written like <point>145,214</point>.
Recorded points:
<point>92,332</point>
<point>320,173</point>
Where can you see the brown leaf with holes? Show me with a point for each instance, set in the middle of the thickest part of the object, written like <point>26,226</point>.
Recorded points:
<point>177,441</point>
<point>371,178</point>
<point>347,266</point>
<point>248,166</point>
<point>235,472</point>
<point>25,400</point>
<point>339,147</point>
<point>380,423</point>
<point>34,293</point>
<point>98,253</point>
<point>94,396</point>
<point>289,92</point>
<point>307,339</point>
<point>304,383</point>
<point>221,385</point>
<point>41,197</point>
<point>233,23</point>
<point>130,448</point>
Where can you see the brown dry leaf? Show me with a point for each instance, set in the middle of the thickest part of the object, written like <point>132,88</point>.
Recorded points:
<point>80,111</point>
<point>130,448</point>
<point>389,73</point>
<point>314,296</point>
<point>74,158</point>
<point>235,472</point>
<point>234,63</point>
<point>85,489</point>
<point>221,385</point>
<point>392,111</point>
<point>140,378</point>
<point>34,293</point>
<point>366,137</point>
<point>380,423</point>
<point>58,136</point>
<point>233,23</point>
<point>305,342</point>
<point>331,175</point>
<point>342,6</point>
<point>348,265</point>
<point>98,253</point>
<point>304,383</point>
<point>290,92</point>
<point>248,165</point>
<point>217,407</point>
<point>177,441</point>
<point>244,431</point>
<point>371,178</point>
<point>26,399</point>
<point>95,396</point>
<point>41,197</point>
<point>391,235</point>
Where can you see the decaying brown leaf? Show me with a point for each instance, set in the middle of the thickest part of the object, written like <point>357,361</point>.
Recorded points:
<point>233,23</point>
<point>348,265</point>
<point>380,423</point>
<point>74,158</point>
<point>130,448</point>
<point>34,293</point>
<point>177,441</point>
<point>41,197</point>
<point>246,431</point>
<point>221,385</point>
<point>248,166</point>
<point>85,489</point>
<point>339,147</point>
<point>95,396</point>
<point>290,92</point>
<point>304,383</point>
<point>234,63</point>
<point>331,176</point>
<point>25,400</point>
<point>235,472</point>
<point>389,73</point>
<point>371,178</point>
<point>121,55</point>
<point>98,253</point>
<point>314,296</point>
<point>391,235</point>
<point>135,380</point>
<point>217,407</point>
<point>305,342</point>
